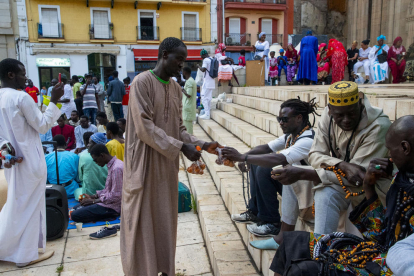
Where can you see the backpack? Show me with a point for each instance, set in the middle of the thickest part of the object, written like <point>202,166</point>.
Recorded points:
<point>184,198</point>
<point>213,68</point>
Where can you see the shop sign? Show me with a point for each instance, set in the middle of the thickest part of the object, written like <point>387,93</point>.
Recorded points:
<point>53,62</point>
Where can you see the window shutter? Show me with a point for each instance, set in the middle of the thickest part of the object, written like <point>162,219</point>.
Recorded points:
<point>274,26</point>
<point>227,25</point>
<point>260,25</point>
<point>50,23</point>
<point>101,24</point>
<point>242,25</point>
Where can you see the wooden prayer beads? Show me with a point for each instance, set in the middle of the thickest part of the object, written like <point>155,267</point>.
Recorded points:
<point>339,173</point>
<point>402,215</point>
<point>296,138</point>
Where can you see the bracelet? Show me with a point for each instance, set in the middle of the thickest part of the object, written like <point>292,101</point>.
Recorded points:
<point>245,159</point>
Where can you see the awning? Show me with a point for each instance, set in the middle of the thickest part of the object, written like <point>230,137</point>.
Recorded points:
<point>152,54</point>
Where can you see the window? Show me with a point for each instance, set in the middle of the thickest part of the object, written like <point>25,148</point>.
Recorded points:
<point>234,30</point>
<point>147,23</point>
<point>190,30</point>
<point>267,28</point>
<point>49,25</point>
<point>101,26</point>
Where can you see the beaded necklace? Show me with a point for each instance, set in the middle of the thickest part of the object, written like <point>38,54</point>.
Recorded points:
<point>339,173</point>
<point>402,215</point>
<point>296,138</point>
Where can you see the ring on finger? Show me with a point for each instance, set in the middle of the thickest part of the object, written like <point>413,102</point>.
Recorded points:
<point>378,167</point>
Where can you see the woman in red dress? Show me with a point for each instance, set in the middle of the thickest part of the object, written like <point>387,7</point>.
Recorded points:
<point>396,60</point>
<point>338,59</point>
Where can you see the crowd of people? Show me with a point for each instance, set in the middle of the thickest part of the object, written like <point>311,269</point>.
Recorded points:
<point>351,181</point>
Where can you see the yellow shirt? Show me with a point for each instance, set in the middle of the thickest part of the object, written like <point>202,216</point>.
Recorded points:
<point>115,148</point>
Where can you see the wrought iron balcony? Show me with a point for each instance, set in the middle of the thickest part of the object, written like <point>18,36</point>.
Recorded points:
<point>52,31</point>
<point>236,39</point>
<point>273,38</point>
<point>191,34</point>
<point>101,31</point>
<point>148,33</point>
<point>258,1</point>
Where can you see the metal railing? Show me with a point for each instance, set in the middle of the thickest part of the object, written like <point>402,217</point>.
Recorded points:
<point>258,1</point>
<point>50,30</point>
<point>235,39</point>
<point>273,38</point>
<point>101,31</point>
<point>191,34</point>
<point>148,33</point>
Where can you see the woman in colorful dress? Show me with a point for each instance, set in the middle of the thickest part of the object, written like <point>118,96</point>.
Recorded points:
<point>225,71</point>
<point>323,63</point>
<point>292,56</point>
<point>261,50</point>
<point>396,60</point>
<point>379,67</point>
<point>273,68</point>
<point>338,59</point>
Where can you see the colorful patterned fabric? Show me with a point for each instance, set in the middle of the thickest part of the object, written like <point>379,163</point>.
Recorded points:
<point>338,61</point>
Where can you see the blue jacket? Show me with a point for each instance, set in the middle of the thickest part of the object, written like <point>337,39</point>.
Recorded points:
<point>116,91</point>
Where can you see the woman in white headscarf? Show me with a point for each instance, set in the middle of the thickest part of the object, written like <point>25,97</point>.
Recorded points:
<point>379,67</point>
<point>261,50</point>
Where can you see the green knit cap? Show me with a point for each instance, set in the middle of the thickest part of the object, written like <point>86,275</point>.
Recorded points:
<point>203,52</point>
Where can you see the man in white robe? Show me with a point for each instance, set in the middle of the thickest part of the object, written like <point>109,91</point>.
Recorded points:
<point>23,217</point>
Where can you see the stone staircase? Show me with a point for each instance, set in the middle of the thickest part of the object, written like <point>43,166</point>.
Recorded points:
<point>249,121</point>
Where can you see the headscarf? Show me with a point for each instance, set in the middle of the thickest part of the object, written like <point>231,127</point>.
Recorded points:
<point>99,138</point>
<point>335,46</point>
<point>395,49</point>
<point>323,45</point>
<point>291,54</point>
<point>261,34</point>
<point>203,52</point>
<point>281,51</point>
<point>381,37</point>
<point>221,47</point>
<point>309,32</point>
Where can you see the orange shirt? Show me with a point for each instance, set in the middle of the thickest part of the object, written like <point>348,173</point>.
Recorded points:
<point>33,92</point>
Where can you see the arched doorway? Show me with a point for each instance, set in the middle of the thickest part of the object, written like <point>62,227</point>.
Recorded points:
<point>101,66</point>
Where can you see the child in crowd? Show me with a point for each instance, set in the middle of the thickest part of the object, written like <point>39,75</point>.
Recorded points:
<point>273,69</point>
<point>43,92</point>
<point>282,62</point>
<point>242,58</point>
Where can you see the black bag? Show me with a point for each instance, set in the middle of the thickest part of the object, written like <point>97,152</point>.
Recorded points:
<point>304,267</point>
<point>382,57</point>
<point>257,57</point>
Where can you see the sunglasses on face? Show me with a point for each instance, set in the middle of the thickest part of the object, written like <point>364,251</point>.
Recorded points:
<point>282,119</point>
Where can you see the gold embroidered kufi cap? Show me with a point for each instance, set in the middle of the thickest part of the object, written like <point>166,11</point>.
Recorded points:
<point>343,93</point>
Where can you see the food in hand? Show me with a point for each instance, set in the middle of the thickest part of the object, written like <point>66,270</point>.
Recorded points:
<point>276,168</point>
<point>223,161</point>
<point>197,167</point>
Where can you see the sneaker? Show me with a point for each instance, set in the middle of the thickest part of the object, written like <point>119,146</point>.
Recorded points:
<point>204,117</point>
<point>246,217</point>
<point>103,233</point>
<point>118,227</point>
<point>264,229</point>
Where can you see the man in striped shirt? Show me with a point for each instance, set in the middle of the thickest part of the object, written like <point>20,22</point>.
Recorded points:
<point>90,99</point>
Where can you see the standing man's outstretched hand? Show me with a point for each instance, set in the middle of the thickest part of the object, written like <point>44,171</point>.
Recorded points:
<point>190,151</point>
<point>57,92</point>
<point>211,147</point>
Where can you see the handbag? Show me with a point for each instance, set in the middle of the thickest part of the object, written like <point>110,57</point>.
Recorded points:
<point>257,57</point>
<point>382,57</point>
<point>184,198</point>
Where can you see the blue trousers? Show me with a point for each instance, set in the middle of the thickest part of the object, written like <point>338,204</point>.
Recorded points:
<point>92,213</point>
<point>91,114</point>
<point>117,110</point>
<point>263,194</point>
<point>280,70</point>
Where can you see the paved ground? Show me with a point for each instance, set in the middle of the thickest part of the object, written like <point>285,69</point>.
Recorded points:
<point>76,254</point>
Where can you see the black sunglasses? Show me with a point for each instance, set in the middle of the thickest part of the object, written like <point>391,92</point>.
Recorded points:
<point>282,119</point>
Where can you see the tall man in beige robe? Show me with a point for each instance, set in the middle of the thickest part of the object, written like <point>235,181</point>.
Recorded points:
<point>350,134</point>
<point>155,136</point>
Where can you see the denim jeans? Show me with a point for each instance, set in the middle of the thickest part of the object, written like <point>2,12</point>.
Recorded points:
<point>92,213</point>
<point>263,191</point>
<point>117,110</point>
<point>91,114</point>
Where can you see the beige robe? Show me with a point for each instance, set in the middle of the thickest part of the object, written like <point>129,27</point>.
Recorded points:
<point>368,143</point>
<point>154,137</point>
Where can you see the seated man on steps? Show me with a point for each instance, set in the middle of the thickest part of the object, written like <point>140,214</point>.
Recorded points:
<point>105,204</point>
<point>293,147</point>
<point>382,228</point>
<point>350,133</point>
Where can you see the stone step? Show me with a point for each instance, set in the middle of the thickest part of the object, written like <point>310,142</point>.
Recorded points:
<point>394,107</point>
<point>246,132</point>
<point>227,252</point>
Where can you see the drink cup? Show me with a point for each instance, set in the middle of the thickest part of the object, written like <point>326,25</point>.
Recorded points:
<point>79,226</point>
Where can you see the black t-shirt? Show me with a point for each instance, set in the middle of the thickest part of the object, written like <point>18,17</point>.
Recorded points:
<point>351,53</point>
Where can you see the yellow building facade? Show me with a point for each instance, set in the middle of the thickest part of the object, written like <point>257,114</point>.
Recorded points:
<point>81,36</point>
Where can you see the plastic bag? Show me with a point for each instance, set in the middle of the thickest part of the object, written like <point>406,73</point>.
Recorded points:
<point>199,78</point>
<point>223,161</point>
<point>197,167</point>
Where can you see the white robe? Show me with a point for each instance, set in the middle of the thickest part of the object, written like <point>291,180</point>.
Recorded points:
<point>67,108</point>
<point>379,71</point>
<point>23,217</point>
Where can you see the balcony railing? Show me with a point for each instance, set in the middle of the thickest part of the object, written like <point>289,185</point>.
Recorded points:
<point>148,33</point>
<point>101,31</point>
<point>273,38</point>
<point>191,34</point>
<point>53,31</point>
<point>235,39</point>
<point>258,1</point>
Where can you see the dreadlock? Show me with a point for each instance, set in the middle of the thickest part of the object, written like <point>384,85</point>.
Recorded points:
<point>169,44</point>
<point>303,108</point>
